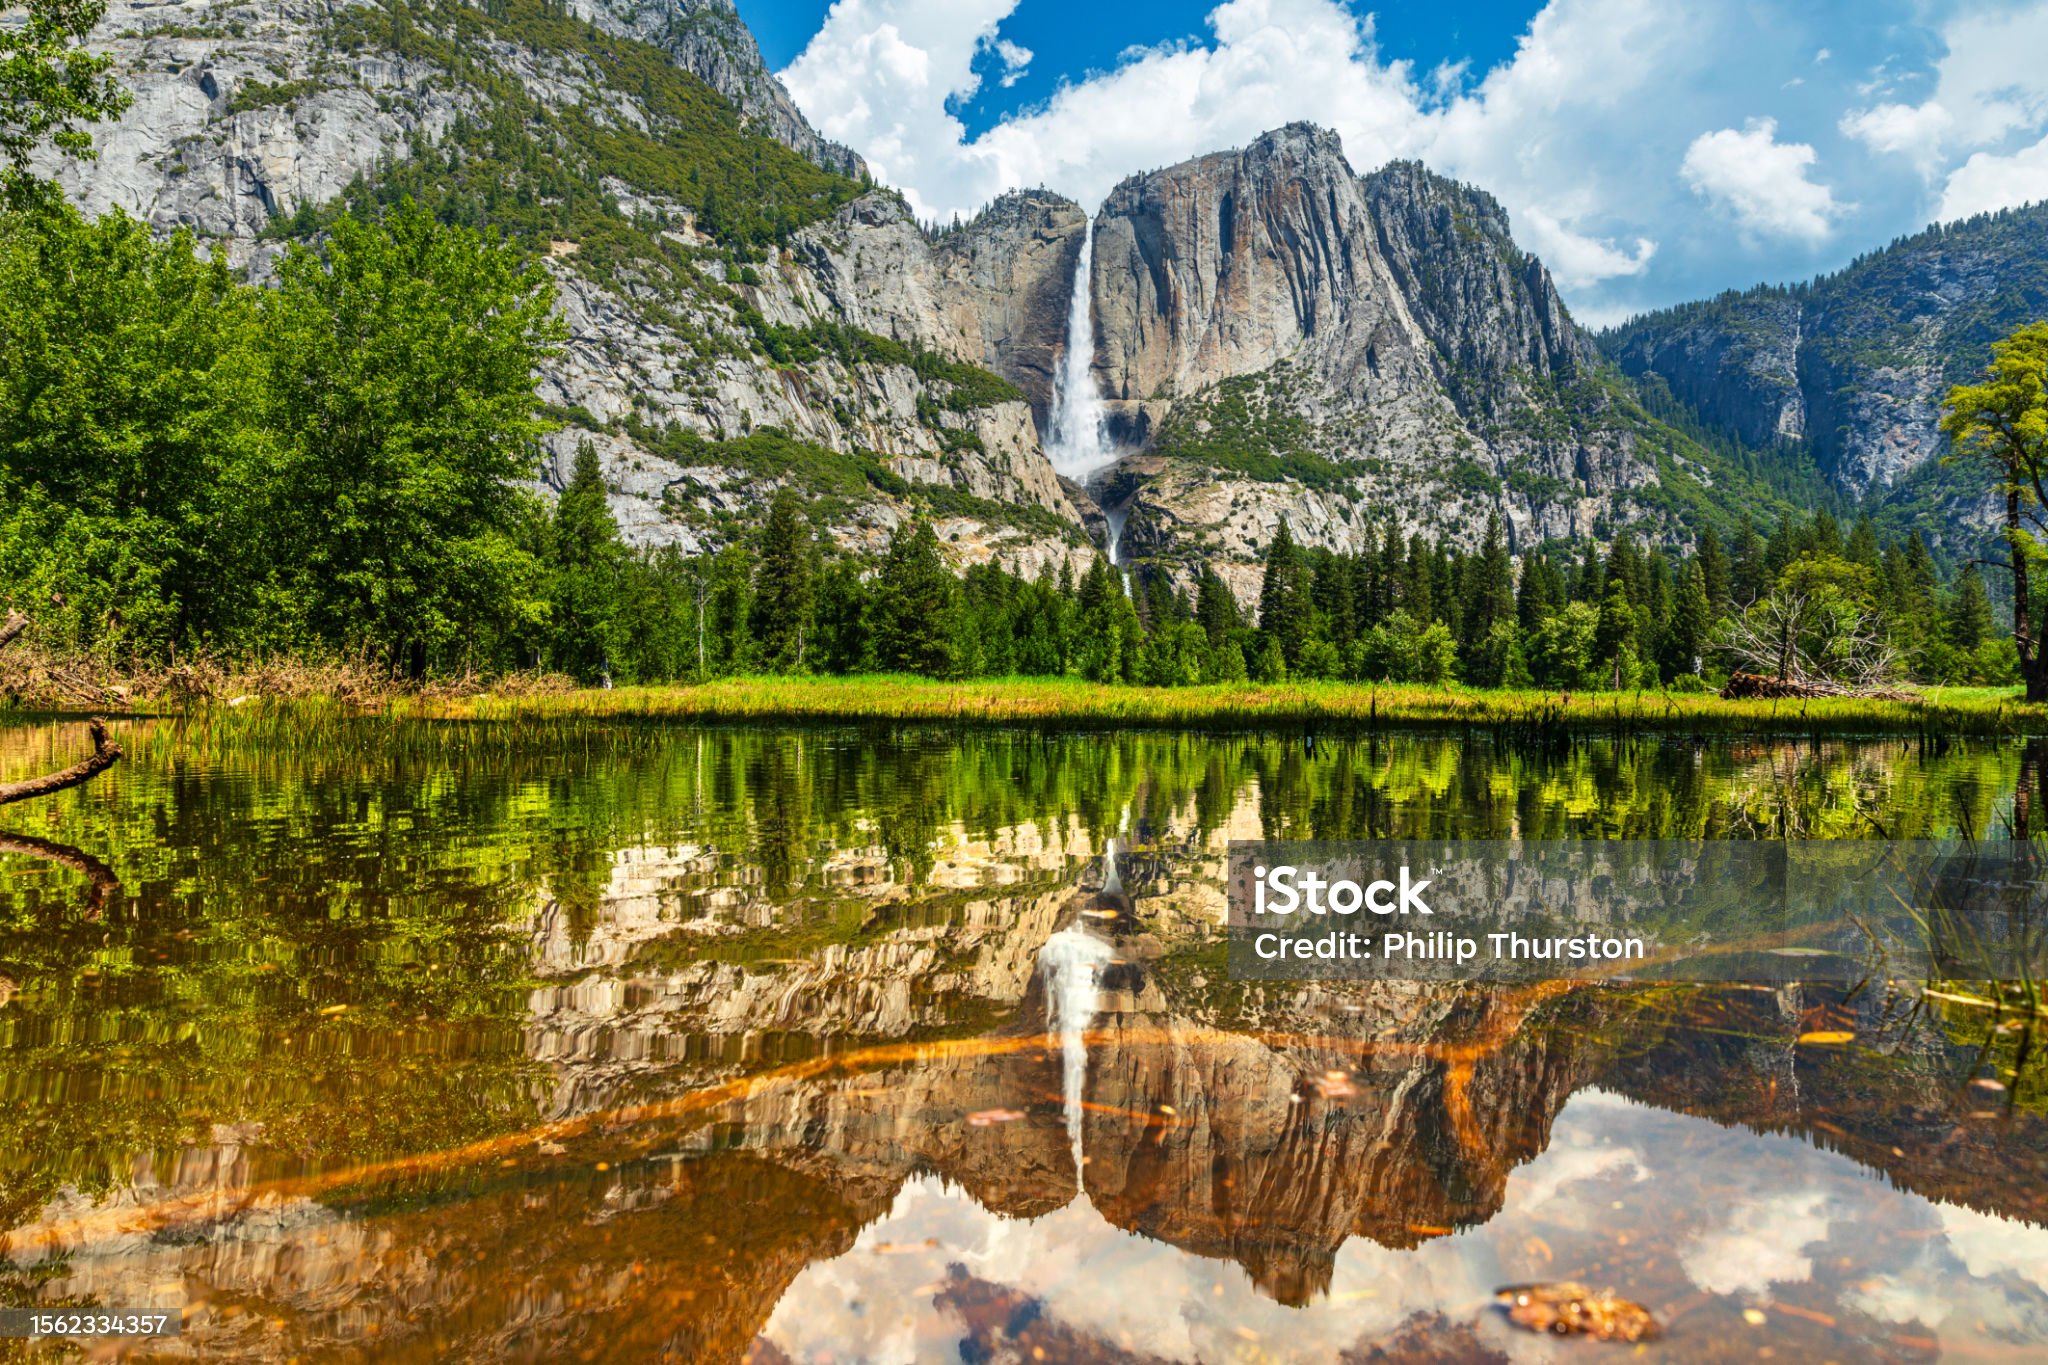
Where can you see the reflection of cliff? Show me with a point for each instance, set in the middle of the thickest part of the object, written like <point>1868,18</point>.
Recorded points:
<point>1266,1128</point>
<point>1901,1102</point>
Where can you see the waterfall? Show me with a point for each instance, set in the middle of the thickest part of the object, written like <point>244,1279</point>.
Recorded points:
<point>1114,518</point>
<point>1078,447</point>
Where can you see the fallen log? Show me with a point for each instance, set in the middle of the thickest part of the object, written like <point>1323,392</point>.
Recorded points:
<point>105,754</point>
<point>1757,687</point>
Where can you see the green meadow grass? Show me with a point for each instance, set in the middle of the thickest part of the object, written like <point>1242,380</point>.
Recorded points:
<point>1051,702</point>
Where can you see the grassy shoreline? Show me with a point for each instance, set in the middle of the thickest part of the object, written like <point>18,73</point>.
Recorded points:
<point>1038,702</point>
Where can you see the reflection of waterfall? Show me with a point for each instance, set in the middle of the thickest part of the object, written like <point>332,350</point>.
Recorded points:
<point>1078,447</point>
<point>1071,963</point>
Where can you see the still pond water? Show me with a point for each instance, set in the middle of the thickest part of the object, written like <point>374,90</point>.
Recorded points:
<point>608,1043</point>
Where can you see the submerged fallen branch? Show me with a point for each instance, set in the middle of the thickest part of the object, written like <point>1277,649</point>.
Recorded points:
<point>104,882</point>
<point>1757,687</point>
<point>105,754</point>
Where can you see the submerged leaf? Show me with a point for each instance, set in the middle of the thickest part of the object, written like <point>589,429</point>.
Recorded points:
<point>1826,1037</point>
<point>1568,1308</point>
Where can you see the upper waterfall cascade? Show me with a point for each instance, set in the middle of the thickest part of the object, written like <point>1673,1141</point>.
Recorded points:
<point>1080,447</point>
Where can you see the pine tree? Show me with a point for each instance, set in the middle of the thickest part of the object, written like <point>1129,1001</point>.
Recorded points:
<point>1686,635</point>
<point>1589,581</point>
<point>1969,610</point>
<point>785,587</point>
<point>1714,572</point>
<point>586,564</point>
<point>1617,632</point>
<point>1542,592</point>
<point>1824,537</point>
<point>1390,577</point>
<point>1216,608</point>
<point>1285,609</point>
<point>1746,576</point>
<point>1489,587</point>
<point>731,604</point>
<point>1417,596</point>
<point>914,597</point>
<point>1331,592</point>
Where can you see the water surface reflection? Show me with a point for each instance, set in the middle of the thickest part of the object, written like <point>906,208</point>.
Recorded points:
<point>608,1043</point>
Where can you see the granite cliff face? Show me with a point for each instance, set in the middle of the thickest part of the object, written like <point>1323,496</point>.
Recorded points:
<point>1853,365</point>
<point>1281,337</point>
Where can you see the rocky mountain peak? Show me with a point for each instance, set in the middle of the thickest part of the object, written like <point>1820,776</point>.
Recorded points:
<point>1490,308</point>
<point>708,39</point>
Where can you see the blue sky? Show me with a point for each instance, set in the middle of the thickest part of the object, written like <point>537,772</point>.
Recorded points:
<point>1649,151</point>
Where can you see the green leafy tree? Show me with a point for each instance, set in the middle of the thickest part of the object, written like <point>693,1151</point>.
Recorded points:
<point>50,83</point>
<point>2002,423</point>
<point>1818,625</point>
<point>1564,652</point>
<point>136,463</point>
<point>1497,660</point>
<point>1405,650</point>
<point>404,353</point>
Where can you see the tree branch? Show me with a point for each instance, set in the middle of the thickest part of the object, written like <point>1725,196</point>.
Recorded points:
<point>105,755</point>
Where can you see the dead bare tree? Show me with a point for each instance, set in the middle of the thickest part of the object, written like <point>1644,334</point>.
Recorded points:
<point>1813,643</point>
<point>105,753</point>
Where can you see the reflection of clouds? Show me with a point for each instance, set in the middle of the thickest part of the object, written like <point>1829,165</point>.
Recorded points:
<point>1984,1282</point>
<point>1751,1216</point>
<point>1580,1150</point>
<point>1763,1243</point>
<point>1102,1282</point>
<point>1902,1300</point>
<point>1989,1245</point>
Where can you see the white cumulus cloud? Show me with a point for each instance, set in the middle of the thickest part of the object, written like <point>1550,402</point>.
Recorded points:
<point>1761,182</point>
<point>1990,84</point>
